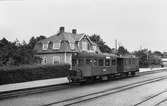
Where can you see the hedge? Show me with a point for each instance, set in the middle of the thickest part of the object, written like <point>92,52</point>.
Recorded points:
<point>32,72</point>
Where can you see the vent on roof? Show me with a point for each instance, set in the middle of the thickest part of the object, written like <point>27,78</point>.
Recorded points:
<point>74,31</point>
<point>61,29</point>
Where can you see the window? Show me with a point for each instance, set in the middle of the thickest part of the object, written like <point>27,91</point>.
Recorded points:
<point>74,62</point>
<point>107,62</point>
<point>56,45</point>
<point>113,62</point>
<point>80,62</point>
<point>126,62</point>
<point>84,45</point>
<point>88,61</point>
<point>133,61</point>
<point>101,62</point>
<point>95,62</point>
<point>72,45</point>
<point>45,46</point>
<point>44,60</point>
<point>56,59</point>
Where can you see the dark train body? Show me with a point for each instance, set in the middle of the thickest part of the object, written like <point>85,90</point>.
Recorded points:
<point>91,66</point>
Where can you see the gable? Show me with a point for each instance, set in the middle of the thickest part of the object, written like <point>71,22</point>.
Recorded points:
<point>86,38</point>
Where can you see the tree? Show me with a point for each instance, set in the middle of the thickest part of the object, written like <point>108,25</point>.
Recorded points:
<point>157,53</point>
<point>144,56</point>
<point>100,43</point>
<point>122,51</point>
<point>16,53</point>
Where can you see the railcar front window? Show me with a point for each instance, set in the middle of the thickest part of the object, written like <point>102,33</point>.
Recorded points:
<point>114,62</point>
<point>101,62</point>
<point>107,62</point>
<point>80,62</point>
<point>74,62</point>
<point>88,61</point>
<point>95,62</point>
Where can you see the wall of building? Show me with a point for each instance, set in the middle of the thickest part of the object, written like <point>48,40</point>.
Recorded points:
<point>64,57</point>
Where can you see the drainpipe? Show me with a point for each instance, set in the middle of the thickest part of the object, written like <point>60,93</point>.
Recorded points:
<point>65,57</point>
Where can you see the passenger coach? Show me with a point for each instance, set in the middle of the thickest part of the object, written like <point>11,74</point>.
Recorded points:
<point>91,66</point>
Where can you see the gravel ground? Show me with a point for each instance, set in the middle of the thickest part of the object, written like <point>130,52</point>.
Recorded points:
<point>132,96</point>
<point>32,84</point>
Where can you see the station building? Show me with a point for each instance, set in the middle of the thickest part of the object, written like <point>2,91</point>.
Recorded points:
<point>60,47</point>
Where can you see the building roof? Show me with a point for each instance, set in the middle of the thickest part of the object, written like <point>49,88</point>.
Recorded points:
<point>70,37</point>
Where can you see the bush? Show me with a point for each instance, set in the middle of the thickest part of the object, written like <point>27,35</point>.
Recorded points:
<point>32,72</point>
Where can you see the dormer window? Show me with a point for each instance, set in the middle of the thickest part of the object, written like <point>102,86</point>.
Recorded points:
<point>45,46</point>
<point>56,45</point>
<point>72,45</point>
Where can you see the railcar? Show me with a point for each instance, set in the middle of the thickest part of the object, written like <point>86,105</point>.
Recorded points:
<point>91,66</point>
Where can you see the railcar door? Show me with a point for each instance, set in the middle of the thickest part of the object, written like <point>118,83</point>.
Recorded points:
<point>88,67</point>
<point>120,65</point>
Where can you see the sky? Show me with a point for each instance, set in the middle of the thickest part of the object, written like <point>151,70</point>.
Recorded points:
<point>135,24</point>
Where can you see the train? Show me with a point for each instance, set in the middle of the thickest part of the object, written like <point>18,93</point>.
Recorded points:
<point>93,66</point>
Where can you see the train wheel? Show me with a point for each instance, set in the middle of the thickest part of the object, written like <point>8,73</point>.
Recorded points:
<point>124,75</point>
<point>104,77</point>
<point>133,73</point>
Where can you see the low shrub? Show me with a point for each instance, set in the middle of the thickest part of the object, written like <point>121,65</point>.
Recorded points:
<point>32,72</point>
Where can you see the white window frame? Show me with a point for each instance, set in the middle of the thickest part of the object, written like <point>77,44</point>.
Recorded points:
<point>56,45</point>
<point>84,43</point>
<point>72,45</point>
<point>57,58</point>
<point>44,46</point>
<point>44,60</point>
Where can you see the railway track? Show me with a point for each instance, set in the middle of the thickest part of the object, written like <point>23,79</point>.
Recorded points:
<point>29,91</point>
<point>91,96</point>
<point>151,97</point>
<point>159,103</point>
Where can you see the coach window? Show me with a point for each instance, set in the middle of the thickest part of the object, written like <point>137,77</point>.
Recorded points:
<point>134,61</point>
<point>129,61</point>
<point>88,61</point>
<point>74,62</point>
<point>80,62</point>
<point>107,62</point>
<point>113,62</point>
<point>101,62</point>
<point>126,62</point>
<point>95,62</point>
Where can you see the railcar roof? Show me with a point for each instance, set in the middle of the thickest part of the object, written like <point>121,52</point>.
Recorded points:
<point>90,55</point>
<point>126,57</point>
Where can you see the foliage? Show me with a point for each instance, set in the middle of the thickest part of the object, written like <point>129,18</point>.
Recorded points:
<point>16,53</point>
<point>158,53</point>
<point>32,72</point>
<point>147,58</point>
<point>122,51</point>
<point>100,43</point>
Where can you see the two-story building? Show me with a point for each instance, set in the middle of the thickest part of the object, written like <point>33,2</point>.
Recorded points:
<point>60,47</point>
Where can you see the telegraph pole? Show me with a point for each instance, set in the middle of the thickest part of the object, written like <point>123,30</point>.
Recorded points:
<point>115,46</point>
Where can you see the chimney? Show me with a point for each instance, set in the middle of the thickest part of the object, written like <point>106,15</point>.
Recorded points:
<point>74,31</point>
<point>61,29</point>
